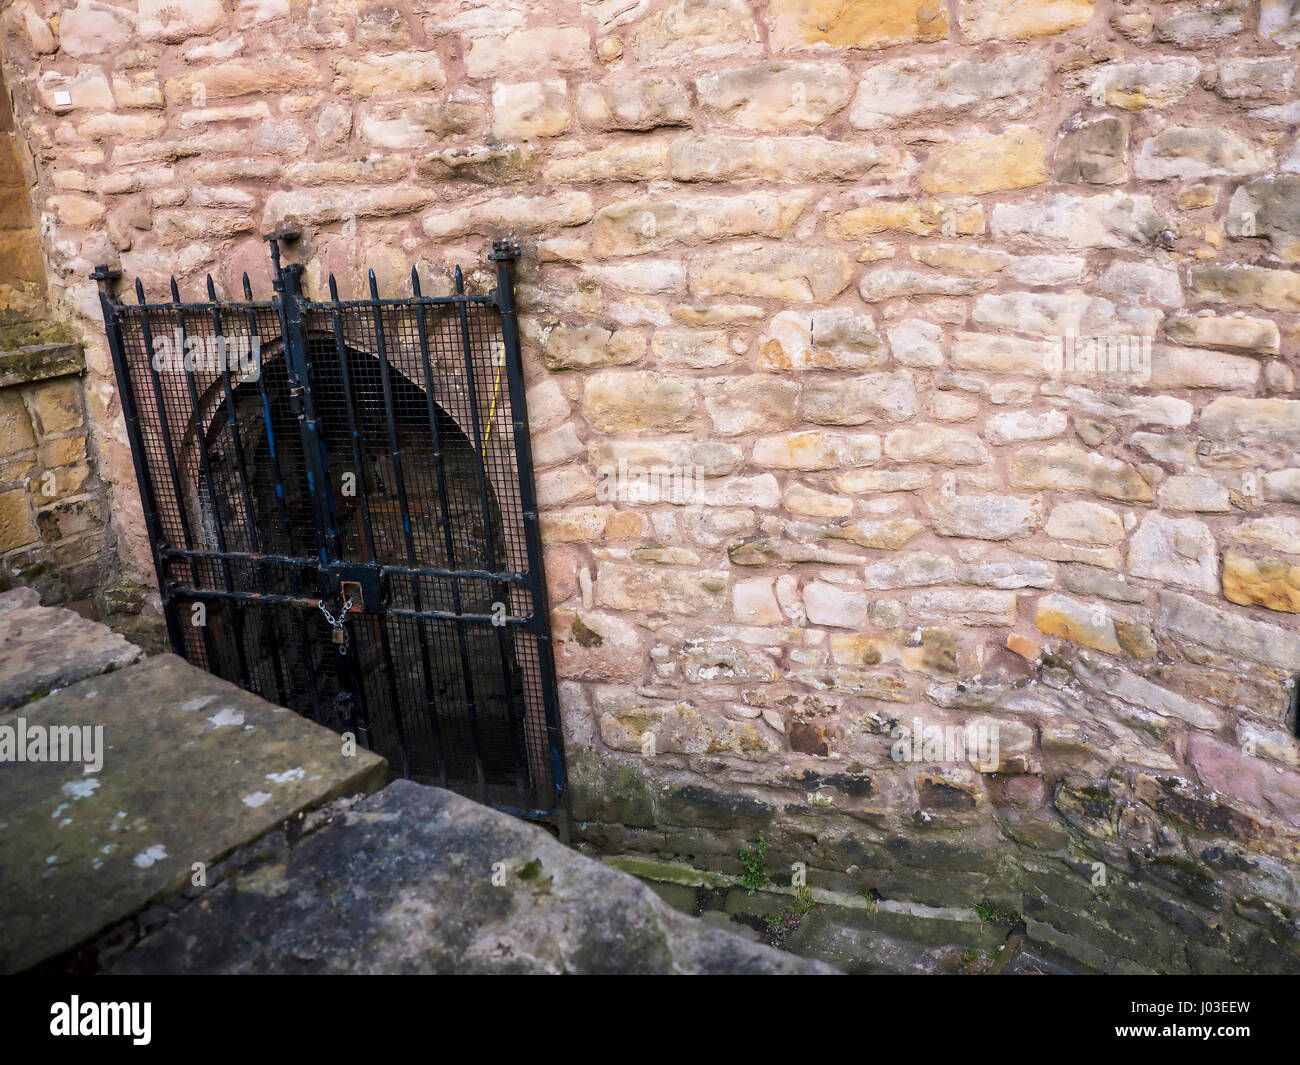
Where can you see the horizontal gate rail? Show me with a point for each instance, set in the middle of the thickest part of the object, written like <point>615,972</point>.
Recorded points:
<point>314,604</point>
<point>458,300</point>
<point>348,524</point>
<point>382,570</point>
<point>182,306</point>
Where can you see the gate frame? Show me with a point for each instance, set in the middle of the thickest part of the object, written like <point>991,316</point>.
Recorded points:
<point>288,301</point>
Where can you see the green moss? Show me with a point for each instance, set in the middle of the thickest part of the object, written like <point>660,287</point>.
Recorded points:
<point>39,693</point>
<point>668,872</point>
<point>1096,794</point>
<point>608,791</point>
<point>30,334</point>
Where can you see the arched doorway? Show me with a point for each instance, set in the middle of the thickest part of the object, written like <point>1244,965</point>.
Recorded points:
<point>374,461</point>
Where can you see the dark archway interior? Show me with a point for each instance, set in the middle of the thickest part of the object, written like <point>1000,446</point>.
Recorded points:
<point>444,699</point>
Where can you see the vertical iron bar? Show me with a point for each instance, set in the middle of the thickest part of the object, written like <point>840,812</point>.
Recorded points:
<point>205,466</point>
<point>480,473</point>
<point>105,278</point>
<point>282,510</point>
<point>382,348</point>
<point>300,405</point>
<point>505,645</point>
<point>430,701</point>
<point>272,449</point>
<point>146,334</point>
<point>349,406</point>
<point>350,671</point>
<point>440,473</point>
<point>241,472</point>
<point>500,591</point>
<point>303,404</point>
<point>504,254</point>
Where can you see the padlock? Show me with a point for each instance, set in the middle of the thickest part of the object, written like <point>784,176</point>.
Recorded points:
<point>340,636</point>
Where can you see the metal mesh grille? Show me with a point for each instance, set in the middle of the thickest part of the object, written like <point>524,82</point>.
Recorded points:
<point>373,441</point>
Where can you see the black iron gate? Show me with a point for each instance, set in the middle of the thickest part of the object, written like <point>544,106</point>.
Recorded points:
<point>340,500</point>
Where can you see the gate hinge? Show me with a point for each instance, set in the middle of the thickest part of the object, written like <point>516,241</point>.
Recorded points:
<point>106,277</point>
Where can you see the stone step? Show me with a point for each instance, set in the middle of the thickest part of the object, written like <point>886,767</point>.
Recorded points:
<point>193,769</point>
<point>46,648</point>
<point>420,880</point>
<point>177,818</point>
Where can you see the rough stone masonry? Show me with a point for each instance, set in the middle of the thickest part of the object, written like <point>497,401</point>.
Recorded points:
<point>972,323</point>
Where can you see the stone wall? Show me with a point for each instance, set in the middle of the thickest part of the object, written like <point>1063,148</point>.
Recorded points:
<point>842,268</point>
<point>22,266</point>
<point>52,513</point>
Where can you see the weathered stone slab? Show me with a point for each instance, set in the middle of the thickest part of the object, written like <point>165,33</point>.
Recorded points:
<point>40,361</point>
<point>193,768</point>
<point>418,868</point>
<point>44,648</point>
<point>1232,634</point>
<point>19,599</point>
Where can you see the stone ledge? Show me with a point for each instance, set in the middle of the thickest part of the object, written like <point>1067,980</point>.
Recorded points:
<point>403,882</point>
<point>857,933</point>
<point>40,362</point>
<point>193,769</point>
<point>46,648</point>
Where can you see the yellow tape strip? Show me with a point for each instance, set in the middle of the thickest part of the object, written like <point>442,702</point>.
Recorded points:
<point>492,412</point>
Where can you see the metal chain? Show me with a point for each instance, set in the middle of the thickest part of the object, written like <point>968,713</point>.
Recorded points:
<point>335,622</point>
<point>339,624</point>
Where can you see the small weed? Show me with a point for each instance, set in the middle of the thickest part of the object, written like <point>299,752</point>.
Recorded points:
<point>990,913</point>
<point>755,863</point>
<point>975,962</point>
<point>789,919</point>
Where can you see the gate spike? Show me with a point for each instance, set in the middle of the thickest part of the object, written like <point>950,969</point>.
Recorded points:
<point>460,282</point>
<point>334,290</point>
<point>139,291</point>
<point>176,292</point>
<point>248,287</point>
<point>374,286</point>
<point>212,290</point>
<point>415,283</point>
